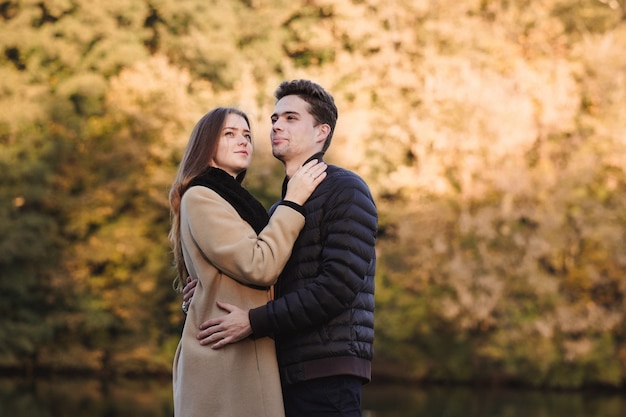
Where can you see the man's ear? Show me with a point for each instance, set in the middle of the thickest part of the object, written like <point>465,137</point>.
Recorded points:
<point>323,130</point>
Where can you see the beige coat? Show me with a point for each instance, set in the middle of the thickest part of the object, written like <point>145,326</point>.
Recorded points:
<point>224,252</point>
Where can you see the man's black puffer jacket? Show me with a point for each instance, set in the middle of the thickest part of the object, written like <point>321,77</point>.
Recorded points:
<point>323,314</point>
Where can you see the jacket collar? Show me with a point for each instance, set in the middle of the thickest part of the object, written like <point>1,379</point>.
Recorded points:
<point>319,156</point>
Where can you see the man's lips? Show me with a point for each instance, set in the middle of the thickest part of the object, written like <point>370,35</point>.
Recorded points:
<point>278,140</point>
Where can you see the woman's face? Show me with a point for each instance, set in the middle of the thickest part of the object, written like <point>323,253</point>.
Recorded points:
<point>234,149</point>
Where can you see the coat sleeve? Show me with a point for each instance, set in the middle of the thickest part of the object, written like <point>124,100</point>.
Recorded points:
<point>231,244</point>
<point>350,226</point>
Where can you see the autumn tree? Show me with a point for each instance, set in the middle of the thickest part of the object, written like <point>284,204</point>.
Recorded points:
<point>490,132</point>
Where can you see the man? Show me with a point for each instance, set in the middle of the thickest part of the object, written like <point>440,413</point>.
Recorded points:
<point>323,314</point>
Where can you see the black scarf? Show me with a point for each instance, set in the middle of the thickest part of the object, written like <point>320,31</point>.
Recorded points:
<point>248,207</point>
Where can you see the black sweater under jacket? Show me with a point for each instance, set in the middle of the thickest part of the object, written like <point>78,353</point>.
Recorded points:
<point>323,314</point>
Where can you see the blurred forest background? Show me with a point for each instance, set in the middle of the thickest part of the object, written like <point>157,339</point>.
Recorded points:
<point>492,134</point>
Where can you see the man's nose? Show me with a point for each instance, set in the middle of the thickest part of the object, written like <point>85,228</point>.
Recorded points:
<point>277,125</point>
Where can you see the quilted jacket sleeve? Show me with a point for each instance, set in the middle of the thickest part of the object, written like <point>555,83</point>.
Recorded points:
<point>349,227</point>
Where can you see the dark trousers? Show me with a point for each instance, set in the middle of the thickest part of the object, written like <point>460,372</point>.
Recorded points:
<point>336,396</point>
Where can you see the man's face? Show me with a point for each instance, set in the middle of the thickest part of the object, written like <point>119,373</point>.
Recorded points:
<point>295,136</point>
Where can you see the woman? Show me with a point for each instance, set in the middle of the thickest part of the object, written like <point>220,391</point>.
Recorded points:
<point>223,236</point>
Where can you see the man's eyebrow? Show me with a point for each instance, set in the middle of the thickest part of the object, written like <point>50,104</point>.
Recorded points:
<point>285,113</point>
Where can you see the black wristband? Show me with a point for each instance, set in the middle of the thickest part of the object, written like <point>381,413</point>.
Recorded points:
<point>297,207</point>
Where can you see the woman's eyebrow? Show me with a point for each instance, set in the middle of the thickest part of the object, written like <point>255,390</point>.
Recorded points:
<point>235,128</point>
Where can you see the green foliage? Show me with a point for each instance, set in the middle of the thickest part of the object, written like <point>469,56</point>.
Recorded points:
<point>491,133</point>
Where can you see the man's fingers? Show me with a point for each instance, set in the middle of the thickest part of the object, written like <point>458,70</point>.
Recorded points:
<point>225,306</point>
<point>210,334</point>
<point>221,331</point>
<point>210,323</point>
<point>190,286</point>
<point>219,344</point>
<point>216,340</point>
<point>189,290</point>
<point>210,339</point>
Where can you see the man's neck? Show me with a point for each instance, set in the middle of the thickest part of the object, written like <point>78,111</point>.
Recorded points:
<point>294,164</point>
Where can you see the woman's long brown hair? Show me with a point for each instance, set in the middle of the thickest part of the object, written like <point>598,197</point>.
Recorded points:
<point>200,150</point>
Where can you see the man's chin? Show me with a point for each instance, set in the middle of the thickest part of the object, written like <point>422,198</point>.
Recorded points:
<point>278,154</point>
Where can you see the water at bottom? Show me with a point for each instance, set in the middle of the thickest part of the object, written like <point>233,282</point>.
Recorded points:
<point>76,397</point>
